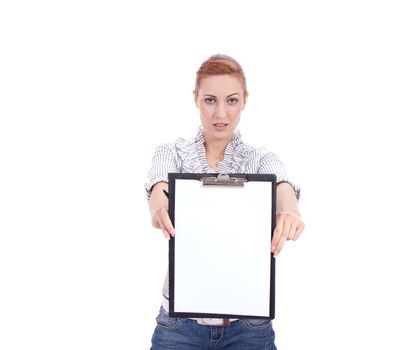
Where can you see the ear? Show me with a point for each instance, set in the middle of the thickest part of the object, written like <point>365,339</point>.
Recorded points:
<point>195,93</point>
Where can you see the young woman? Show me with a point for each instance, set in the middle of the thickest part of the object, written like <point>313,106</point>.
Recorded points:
<point>220,95</point>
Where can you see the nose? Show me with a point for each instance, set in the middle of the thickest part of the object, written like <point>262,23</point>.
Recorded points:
<point>220,109</point>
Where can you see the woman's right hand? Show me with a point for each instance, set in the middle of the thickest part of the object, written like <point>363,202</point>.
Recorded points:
<point>161,220</point>
<point>158,205</point>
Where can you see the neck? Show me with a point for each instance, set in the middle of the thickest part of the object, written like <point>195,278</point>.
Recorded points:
<point>215,151</point>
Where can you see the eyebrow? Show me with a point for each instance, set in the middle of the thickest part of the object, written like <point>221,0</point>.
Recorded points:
<point>232,94</point>
<point>226,96</point>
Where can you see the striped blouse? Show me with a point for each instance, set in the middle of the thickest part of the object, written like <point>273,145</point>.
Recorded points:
<point>189,156</point>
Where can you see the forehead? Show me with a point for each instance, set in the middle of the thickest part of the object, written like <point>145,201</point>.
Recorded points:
<point>221,85</point>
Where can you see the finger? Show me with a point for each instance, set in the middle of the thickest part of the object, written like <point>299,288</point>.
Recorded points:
<point>299,230</point>
<point>292,232</point>
<point>277,234</point>
<point>283,237</point>
<point>287,227</point>
<point>166,223</point>
<point>159,218</point>
<point>166,234</point>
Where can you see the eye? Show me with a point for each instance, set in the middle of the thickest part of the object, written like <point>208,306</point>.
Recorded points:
<point>232,100</point>
<point>210,100</point>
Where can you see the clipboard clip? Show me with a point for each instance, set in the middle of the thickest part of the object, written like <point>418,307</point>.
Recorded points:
<point>223,180</point>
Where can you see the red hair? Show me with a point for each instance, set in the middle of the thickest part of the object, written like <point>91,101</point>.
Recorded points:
<point>219,65</point>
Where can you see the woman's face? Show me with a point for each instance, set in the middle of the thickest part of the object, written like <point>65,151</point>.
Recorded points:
<point>220,100</point>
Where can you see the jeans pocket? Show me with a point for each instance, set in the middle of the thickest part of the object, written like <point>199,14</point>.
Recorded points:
<point>256,323</point>
<point>167,322</point>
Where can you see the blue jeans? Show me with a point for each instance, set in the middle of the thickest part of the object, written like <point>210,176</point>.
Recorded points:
<point>185,334</point>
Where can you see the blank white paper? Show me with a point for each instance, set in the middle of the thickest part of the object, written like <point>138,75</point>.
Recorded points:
<point>222,248</point>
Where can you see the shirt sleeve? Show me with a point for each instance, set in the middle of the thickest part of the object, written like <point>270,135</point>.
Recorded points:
<point>163,162</point>
<point>271,164</point>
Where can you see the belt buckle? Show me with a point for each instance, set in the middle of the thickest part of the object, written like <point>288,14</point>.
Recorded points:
<point>225,322</point>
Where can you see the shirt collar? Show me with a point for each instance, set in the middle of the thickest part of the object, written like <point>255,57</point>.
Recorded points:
<point>227,164</point>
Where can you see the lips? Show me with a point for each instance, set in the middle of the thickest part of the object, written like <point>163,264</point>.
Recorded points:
<point>220,126</point>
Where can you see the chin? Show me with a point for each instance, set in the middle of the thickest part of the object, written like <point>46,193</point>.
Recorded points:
<point>226,135</point>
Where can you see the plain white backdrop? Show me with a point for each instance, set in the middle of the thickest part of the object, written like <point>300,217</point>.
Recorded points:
<point>89,88</point>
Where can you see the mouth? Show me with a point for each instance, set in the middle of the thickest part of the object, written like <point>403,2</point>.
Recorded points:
<point>220,126</point>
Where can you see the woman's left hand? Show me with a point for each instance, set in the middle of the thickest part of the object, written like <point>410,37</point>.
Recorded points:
<point>289,226</point>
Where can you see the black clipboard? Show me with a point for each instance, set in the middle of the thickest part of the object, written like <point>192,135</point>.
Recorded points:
<point>220,260</point>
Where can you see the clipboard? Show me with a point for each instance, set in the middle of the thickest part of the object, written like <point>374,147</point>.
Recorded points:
<point>220,260</point>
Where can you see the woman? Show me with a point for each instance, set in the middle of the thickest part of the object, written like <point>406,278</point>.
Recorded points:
<point>220,95</point>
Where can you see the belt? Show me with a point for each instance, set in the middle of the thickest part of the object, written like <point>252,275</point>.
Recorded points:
<point>223,322</point>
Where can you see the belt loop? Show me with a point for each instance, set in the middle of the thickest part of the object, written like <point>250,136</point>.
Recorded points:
<point>226,322</point>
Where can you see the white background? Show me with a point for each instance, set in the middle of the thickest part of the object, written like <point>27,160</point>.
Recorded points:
<point>89,88</point>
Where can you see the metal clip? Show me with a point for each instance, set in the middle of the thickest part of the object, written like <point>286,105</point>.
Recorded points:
<point>224,180</point>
